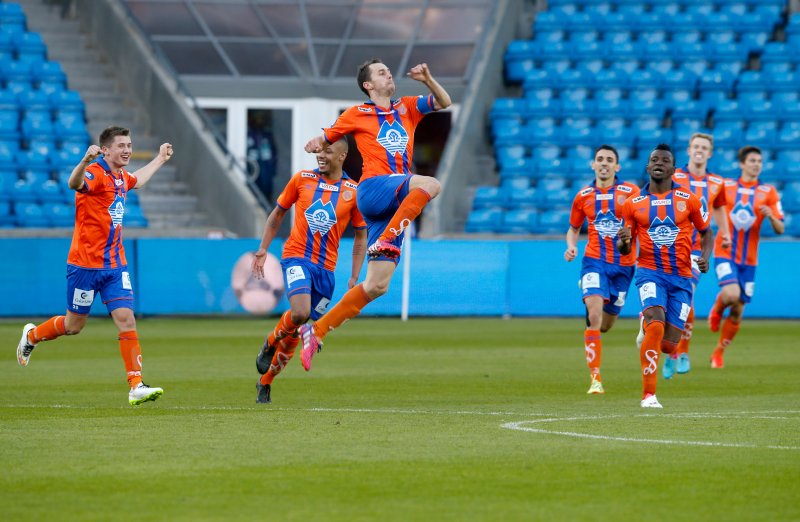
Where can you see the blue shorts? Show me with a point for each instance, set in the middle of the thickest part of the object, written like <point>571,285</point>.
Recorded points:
<point>729,273</point>
<point>670,292</point>
<point>113,284</point>
<point>378,199</point>
<point>611,282</point>
<point>301,276</point>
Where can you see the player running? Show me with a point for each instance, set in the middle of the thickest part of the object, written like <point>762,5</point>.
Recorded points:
<point>749,204</point>
<point>605,274</point>
<point>325,202</point>
<point>389,196</point>
<point>663,219</point>
<point>694,177</point>
<point>96,263</point>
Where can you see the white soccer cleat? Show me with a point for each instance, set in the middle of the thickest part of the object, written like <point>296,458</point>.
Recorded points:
<point>640,335</point>
<point>651,402</point>
<point>24,348</point>
<point>596,388</point>
<point>143,393</point>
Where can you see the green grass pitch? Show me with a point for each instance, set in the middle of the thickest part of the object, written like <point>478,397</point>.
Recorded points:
<point>433,419</point>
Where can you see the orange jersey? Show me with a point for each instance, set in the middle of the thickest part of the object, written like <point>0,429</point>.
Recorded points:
<point>664,224</point>
<point>322,211</point>
<point>603,209</point>
<point>384,137</point>
<point>744,219</point>
<point>710,189</point>
<point>99,209</point>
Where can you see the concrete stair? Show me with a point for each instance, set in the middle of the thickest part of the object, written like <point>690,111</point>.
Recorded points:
<point>168,203</point>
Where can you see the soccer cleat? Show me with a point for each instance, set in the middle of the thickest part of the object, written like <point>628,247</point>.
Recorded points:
<point>716,359</point>
<point>311,346</point>
<point>596,388</point>
<point>24,348</point>
<point>650,401</point>
<point>263,395</point>
<point>143,393</point>
<point>684,365</point>
<point>640,335</point>
<point>713,320</point>
<point>668,370</point>
<point>383,248</point>
<point>264,358</point>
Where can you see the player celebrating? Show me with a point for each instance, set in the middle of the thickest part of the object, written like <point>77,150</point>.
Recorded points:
<point>709,188</point>
<point>749,203</point>
<point>96,261</point>
<point>325,202</point>
<point>663,219</point>
<point>605,274</point>
<point>389,196</point>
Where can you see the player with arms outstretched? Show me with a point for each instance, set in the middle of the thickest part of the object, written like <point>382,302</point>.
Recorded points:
<point>663,219</point>
<point>324,200</point>
<point>694,177</point>
<point>96,263</point>
<point>605,274</point>
<point>749,204</point>
<point>390,197</point>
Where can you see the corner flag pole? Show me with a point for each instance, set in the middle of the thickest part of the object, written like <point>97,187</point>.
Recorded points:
<point>406,272</point>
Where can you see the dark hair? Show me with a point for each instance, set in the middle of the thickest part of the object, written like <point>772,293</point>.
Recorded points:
<point>665,148</point>
<point>365,74</point>
<point>607,147</point>
<point>108,135</point>
<point>747,150</point>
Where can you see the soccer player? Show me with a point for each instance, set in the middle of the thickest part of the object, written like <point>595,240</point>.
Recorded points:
<point>325,202</point>
<point>389,196</point>
<point>663,219</point>
<point>605,274</point>
<point>749,204</point>
<point>96,263</point>
<point>708,187</point>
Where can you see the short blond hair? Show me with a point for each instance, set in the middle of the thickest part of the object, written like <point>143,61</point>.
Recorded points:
<point>703,135</point>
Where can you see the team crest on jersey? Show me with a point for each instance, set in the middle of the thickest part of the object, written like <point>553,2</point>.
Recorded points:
<point>117,211</point>
<point>347,195</point>
<point>607,225</point>
<point>393,137</point>
<point>320,217</point>
<point>663,232</point>
<point>681,206</point>
<point>742,216</point>
<point>89,175</point>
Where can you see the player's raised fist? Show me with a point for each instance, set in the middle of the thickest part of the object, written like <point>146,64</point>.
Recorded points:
<point>315,145</point>
<point>625,234</point>
<point>420,72</point>
<point>165,151</point>
<point>570,254</point>
<point>91,153</point>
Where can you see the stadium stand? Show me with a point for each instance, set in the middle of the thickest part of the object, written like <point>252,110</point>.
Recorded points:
<point>731,70</point>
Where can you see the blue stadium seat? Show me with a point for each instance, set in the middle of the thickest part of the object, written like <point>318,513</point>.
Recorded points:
<point>653,37</point>
<point>584,36</point>
<point>576,80</point>
<point>724,36</point>
<point>728,133</point>
<point>519,221</point>
<point>67,100</point>
<point>553,66</point>
<point>556,199</point>
<point>697,65</point>
<point>677,97</point>
<point>554,35</point>
<point>504,154</point>
<point>62,215</point>
<point>50,71</point>
<point>790,198</point>
<point>789,136</point>
<point>589,67</point>
<point>546,152</point>
<point>23,191</point>
<point>520,59</point>
<point>36,123</point>
<point>759,110</point>
<point>689,36</point>
<point>7,218</point>
<point>505,132</point>
<point>11,16</point>
<point>617,37</point>
<point>539,78</point>
<point>753,40</point>
<point>74,145</point>
<point>50,191</point>
<point>553,222</point>
<point>727,110</point>
<point>779,82</point>
<point>583,21</point>
<point>525,198</point>
<point>42,147</point>
<point>550,20</point>
<point>541,93</point>
<point>587,50</point>
<point>16,70</point>
<point>31,215</point>
<point>680,79</point>
<point>30,47</point>
<point>761,134</point>
<point>694,109</point>
<point>488,197</point>
<point>33,99</point>
<point>6,47</point>
<point>484,220</point>
<point>542,108</point>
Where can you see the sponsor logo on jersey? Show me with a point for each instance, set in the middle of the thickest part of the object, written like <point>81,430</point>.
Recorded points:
<point>320,217</point>
<point>663,232</point>
<point>117,211</point>
<point>639,198</point>
<point>82,297</point>
<point>604,197</point>
<point>763,188</point>
<point>586,191</point>
<point>715,179</point>
<point>624,188</point>
<point>698,183</point>
<point>350,184</point>
<point>393,137</point>
<point>746,191</point>
<point>742,216</point>
<point>308,175</point>
<point>681,194</point>
<point>364,109</point>
<point>607,225</point>
<point>661,203</point>
<point>730,182</point>
<point>332,188</point>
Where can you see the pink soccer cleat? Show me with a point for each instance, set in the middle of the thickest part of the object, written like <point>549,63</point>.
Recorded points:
<point>311,346</point>
<point>384,248</point>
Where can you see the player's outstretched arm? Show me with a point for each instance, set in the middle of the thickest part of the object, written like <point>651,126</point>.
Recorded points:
<point>144,174</point>
<point>274,221</point>
<point>359,253</point>
<point>316,144</point>
<point>75,181</point>
<point>421,73</point>
<point>572,244</point>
